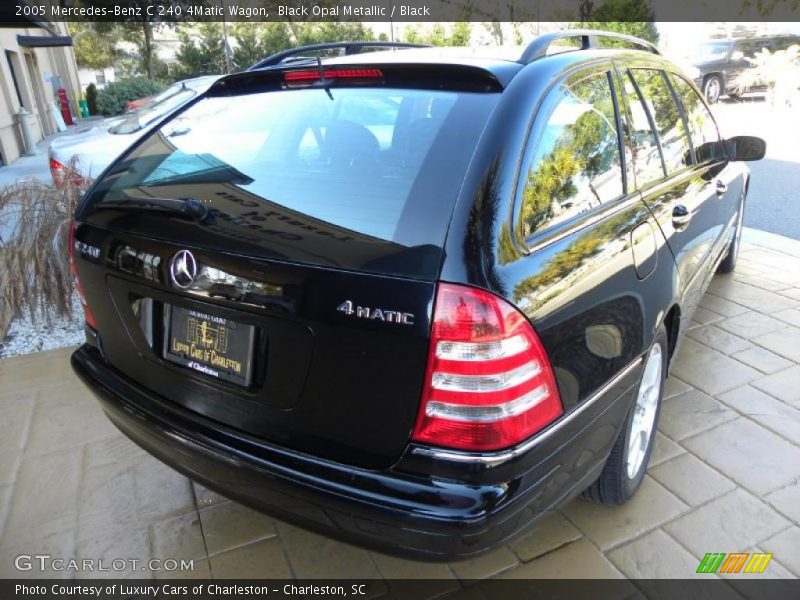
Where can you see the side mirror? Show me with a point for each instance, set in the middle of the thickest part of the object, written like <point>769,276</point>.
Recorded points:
<point>745,147</point>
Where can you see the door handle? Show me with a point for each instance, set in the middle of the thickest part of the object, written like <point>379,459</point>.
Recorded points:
<point>721,188</point>
<point>681,215</point>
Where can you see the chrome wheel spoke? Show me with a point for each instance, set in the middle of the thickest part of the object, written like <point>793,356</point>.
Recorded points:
<point>644,415</point>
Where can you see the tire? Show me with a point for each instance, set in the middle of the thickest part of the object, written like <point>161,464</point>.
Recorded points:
<point>712,88</point>
<point>627,463</point>
<point>728,263</point>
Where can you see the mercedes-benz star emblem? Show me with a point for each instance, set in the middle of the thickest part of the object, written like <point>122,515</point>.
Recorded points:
<point>183,269</point>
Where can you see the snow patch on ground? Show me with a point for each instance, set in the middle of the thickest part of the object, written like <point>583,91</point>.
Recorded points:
<point>25,335</point>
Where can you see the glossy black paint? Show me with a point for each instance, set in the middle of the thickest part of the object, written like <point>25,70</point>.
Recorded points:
<point>424,508</point>
<point>322,437</point>
<point>321,376</point>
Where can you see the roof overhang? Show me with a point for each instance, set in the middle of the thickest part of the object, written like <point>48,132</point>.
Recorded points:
<point>44,41</point>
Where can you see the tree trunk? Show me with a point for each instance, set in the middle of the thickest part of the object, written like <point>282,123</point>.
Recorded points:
<point>147,29</point>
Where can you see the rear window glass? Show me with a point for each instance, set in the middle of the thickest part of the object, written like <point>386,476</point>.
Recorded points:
<point>380,163</point>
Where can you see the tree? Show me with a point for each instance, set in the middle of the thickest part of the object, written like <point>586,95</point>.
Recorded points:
<point>631,17</point>
<point>330,31</point>
<point>141,34</point>
<point>437,36</point>
<point>95,44</point>
<point>495,28</point>
<point>255,41</point>
<point>139,29</point>
<point>91,98</point>
<point>202,51</point>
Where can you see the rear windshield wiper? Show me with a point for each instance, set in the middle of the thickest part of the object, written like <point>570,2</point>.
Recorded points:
<point>187,208</point>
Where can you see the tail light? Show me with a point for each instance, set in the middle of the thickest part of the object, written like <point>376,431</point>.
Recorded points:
<point>57,172</point>
<point>489,384</point>
<point>87,311</point>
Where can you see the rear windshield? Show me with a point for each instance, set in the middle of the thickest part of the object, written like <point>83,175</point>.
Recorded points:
<point>374,164</point>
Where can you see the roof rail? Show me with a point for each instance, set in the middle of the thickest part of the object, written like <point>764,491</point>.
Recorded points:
<point>346,47</point>
<point>588,39</point>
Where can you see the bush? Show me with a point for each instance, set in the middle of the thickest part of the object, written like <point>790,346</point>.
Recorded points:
<point>91,98</point>
<point>112,99</point>
<point>34,271</point>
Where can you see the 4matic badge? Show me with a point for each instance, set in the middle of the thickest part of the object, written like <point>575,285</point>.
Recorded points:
<point>375,314</point>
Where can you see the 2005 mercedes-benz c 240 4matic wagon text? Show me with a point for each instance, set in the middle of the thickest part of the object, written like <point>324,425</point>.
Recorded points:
<point>410,299</point>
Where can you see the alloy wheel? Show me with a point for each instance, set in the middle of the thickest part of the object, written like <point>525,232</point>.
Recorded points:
<point>712,90</point>
<point>644,415</point>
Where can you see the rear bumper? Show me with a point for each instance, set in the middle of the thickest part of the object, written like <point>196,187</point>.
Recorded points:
<point>420,507</point>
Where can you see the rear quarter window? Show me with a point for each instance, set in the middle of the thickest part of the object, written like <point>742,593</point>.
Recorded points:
<point>575,163</point>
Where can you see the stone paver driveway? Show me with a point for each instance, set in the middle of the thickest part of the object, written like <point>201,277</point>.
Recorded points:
<point>725,473</point>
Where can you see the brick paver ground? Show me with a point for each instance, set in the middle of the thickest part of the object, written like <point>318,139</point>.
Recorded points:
<point>725,473</point>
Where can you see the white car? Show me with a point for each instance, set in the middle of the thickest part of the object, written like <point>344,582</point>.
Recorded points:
<point>93,149</point>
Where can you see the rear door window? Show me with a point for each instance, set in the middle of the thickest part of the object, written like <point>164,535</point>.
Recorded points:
<point>646,156</point>
<point>575,166</point>
<point>666,116</point>
<point>701,124</point>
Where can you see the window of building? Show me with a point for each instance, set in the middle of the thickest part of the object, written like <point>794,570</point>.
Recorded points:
<point>12,60</point>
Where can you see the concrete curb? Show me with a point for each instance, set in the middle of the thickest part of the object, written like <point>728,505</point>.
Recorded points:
<point>772,241</point>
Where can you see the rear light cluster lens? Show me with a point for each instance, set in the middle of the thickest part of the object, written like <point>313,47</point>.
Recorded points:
<point>307,77</point>
<point>489,384</point>
<point>87,311</point>
<point>57,173</point>
<point>61,175</point>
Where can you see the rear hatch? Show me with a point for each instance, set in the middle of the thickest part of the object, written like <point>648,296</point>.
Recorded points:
<point>268,257</point>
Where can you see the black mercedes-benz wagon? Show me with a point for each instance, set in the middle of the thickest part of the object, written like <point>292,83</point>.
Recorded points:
<point>413,299</point>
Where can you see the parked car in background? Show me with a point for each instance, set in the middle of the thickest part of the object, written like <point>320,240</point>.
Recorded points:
<point>93,149</point>
<point>412,299</point>
<point>718,63</point>
<point>137,104</point>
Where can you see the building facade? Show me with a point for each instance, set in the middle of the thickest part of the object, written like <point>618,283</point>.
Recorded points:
<point>36,61</point>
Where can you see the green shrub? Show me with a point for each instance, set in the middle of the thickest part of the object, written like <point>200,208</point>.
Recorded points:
<point>112,99</point>
<point>91,98</point>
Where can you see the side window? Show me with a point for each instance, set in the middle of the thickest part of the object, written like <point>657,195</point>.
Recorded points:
<point>702,127</point>
<point>576,163</point>
<point>646,156</point>
<point>665,114</point>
